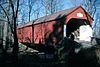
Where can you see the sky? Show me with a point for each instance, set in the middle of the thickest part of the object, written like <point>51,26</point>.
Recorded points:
<point>71,3</point>
<point>68,4</point>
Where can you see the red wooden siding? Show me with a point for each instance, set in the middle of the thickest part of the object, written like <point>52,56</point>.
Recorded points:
<point>42,31</point>
<point>25,34</point>
<point>73,14</point>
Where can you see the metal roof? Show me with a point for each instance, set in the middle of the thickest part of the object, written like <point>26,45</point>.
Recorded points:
<point>56,15</point>
<point>25,24</point>
<point>50,17</point>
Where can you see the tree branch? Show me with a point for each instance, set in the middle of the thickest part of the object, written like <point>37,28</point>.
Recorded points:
<point>17,8</point>
<point>12,6</point>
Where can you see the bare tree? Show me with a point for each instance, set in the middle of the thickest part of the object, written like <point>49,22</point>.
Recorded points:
<point>90,6</point>
<point>26,10</point>
<point>14,10</point>
<point>5,11</point>
<point>52,6</point>
<point>30,5</point>
<point>96,26</point>
<point>37,11</point>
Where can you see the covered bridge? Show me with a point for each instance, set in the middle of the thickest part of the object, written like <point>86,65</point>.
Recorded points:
<point>52,28</point>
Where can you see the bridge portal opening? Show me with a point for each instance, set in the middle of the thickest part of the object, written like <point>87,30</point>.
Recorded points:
<point>74,24</point>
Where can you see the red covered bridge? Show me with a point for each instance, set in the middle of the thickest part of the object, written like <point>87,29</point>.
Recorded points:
<point>49,29</point>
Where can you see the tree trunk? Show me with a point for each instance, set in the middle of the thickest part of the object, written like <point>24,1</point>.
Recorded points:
<point>32,33</point>
<point>15,45</point>
<point>29,16</point>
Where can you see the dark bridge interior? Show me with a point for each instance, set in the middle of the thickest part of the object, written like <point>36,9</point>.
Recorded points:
<point>74,24</point>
